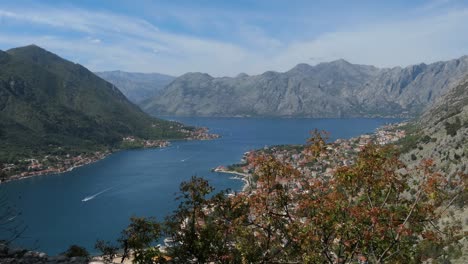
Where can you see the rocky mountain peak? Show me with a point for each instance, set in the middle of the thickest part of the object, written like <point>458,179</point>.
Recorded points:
<point>194,76</point>
<point>333,89</point>
<point>242,75</point>
<point>269,74</point>
<point>301,68</point>
<point>33,52</point>
<point>340,62</point>
<point>341,67</point>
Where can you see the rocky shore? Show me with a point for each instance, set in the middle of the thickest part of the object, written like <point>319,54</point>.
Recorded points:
<point>13,255</point>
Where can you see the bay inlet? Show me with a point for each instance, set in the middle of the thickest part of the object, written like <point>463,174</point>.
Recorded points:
<point>96,201</point>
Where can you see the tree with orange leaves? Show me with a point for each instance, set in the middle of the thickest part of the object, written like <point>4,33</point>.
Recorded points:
<point>376,210</point>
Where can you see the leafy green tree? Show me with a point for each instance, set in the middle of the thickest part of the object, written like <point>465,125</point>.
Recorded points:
<point>109,251</point>
<point>189,227</point>
<point>139,238</point>
<point>76,251</point>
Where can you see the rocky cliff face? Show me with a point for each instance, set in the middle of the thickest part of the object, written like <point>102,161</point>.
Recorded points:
<point>442,132</point>
<point>334,89</point>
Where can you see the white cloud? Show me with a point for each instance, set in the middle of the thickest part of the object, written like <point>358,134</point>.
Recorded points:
<point>93,40</point>
<point>407,42</point>
<point>133,44</point>
<point>434,4</point>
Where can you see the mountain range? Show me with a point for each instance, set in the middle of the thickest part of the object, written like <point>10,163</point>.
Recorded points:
<point>47,102</point>
<point>137,86</point>
<point>50,104</point>
<point>332,89</point>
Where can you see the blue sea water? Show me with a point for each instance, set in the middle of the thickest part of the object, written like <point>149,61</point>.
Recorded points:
<point>96,201</point>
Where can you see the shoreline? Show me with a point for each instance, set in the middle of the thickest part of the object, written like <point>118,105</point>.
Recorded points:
<point>18,177</point>
<point>70,163</point>
<point>245,177</point>
<point>382,135</point>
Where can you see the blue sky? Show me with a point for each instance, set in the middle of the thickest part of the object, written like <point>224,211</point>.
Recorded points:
<point>224,38</point>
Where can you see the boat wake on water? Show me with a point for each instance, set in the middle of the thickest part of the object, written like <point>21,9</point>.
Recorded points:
<point>87,198</point>
<point>183,160</point>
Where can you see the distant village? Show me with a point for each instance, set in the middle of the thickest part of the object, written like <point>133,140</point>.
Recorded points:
<point>49,164</point>
<point>201,133</point>
<point>53,164</point>
<point>341,152</point>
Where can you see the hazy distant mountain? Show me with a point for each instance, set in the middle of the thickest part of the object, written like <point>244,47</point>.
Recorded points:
<point>48,103</point>
<point>333,89</point>
<point>137,86</point>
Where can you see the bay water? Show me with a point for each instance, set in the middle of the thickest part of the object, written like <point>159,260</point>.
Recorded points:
<point>96,201</point>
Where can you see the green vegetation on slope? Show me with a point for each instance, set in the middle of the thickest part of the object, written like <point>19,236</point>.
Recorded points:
<point>49,104</point>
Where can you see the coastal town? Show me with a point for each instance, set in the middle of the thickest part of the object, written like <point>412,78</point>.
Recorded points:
<point>53,164</point>
<point>341,152</point>
<point>49,164</point>
<point>200,133</point>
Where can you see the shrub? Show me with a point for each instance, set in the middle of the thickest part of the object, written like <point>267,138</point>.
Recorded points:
<point>108,251</point>
<point>426,139</point>
<point>409,142</point>
<point>76,251</point>
<point>453,128</point>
